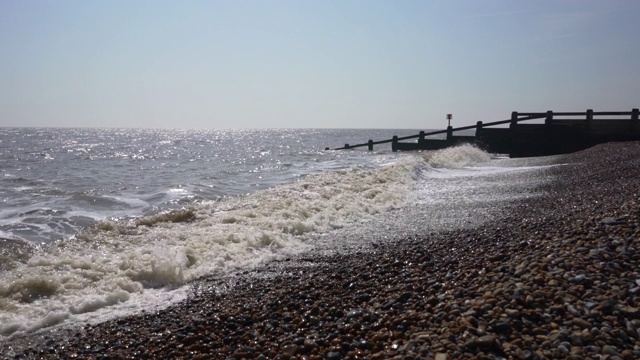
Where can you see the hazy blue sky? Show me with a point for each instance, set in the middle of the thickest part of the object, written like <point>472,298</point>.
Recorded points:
<point>355,64</point>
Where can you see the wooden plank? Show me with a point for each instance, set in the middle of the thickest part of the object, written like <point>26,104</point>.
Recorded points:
<point>536,115</point>
<point>612,119</point>
<point>501,122</point>
<point>582,113</point>
<point>617,113</point>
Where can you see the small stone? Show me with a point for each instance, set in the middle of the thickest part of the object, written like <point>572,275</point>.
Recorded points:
<point>459,294</point>
<point>290,349</point>
<point>481,330</point>
<point>405,296</point>
<point>238,354</point>
<point>502,327</point>
<point>609,221</point>
<point>421,336</point>
<point>631,312</point>
<point>621,334</point>
<point>526,355</point>
<point>309,344</point>
<point>573,310</point>
<point>631,329</point>
<point>610,350</point>
<point>563,349</point>
<point>540,331</point>
<point>576,350</point>
<point>628,354</point>
<point>333,355</point>
<point>486,341</point>
<point>388,305</point>
<point>607,306</point>
<point>512,313</point>
<point>592,349</point>
<point>354,314</point>
<point>442,356</point>
<point>581,323</point>
<point>557,309</point>
<point>576,339</point>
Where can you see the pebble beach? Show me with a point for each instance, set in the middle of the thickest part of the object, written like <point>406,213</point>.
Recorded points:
<point>558,276</point>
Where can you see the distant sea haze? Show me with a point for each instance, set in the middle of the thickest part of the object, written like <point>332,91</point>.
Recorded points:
<point>117,221</point>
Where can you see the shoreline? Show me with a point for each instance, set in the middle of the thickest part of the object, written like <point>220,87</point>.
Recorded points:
<point>558,277</point>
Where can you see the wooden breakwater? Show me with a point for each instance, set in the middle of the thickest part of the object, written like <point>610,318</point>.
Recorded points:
<point>561,133</point>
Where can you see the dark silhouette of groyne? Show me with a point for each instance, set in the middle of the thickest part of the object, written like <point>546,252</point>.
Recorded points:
<point>561,133</point>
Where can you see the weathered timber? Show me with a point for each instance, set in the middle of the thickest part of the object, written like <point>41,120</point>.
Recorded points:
<point>560,133</point>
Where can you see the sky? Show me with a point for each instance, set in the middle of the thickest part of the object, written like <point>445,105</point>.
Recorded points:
<point>312,64</point>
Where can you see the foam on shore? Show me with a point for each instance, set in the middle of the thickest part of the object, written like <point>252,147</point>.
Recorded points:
<point>132,263</point>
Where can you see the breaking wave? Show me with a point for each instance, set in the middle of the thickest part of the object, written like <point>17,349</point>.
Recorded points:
<point>125,264</point>
<point>457,157</point>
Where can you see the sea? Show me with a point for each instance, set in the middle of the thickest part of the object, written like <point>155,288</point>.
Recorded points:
<point>103,223</point>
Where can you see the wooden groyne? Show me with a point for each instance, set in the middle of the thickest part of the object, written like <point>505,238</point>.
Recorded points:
<point>561,133</point>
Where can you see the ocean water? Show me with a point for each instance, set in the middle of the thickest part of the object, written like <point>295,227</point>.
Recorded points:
<point>98,223</point>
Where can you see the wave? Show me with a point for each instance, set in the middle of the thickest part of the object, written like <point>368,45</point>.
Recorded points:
<point>457,157</point>
<point>126,263</point>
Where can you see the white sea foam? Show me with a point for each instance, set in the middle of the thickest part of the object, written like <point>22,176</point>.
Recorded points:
<point>123,267</point>
<point>458,156</point>
<point>94,303</point>
<point>52,318</point>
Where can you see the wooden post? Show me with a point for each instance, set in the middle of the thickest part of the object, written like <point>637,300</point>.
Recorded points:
<point>394,142</point>
<point>346,146</point>
<point>421,139</point>
<point>589,120</point>
<point>512,132</point>
<point>370,145</point>
<point>635,120</point>
<point>478,129</point>
<point>449,133</point>
<point>549,118</point>
<point>514,120</point>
